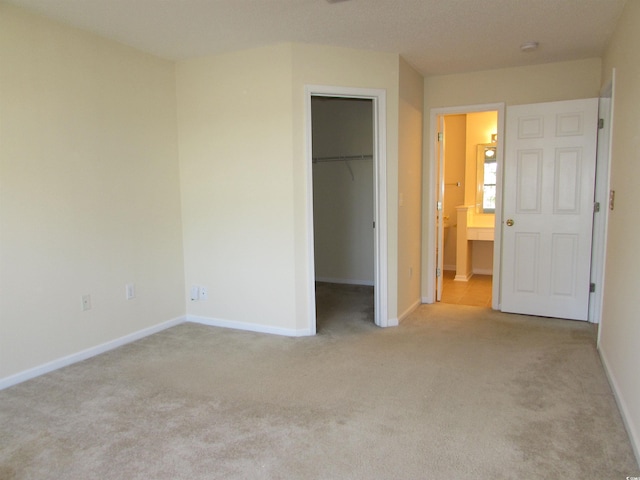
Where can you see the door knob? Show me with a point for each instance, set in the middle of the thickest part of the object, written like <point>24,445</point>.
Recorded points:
<point>510,222</point>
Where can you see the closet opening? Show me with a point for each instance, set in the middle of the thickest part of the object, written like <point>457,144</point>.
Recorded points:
<point>343,183</point>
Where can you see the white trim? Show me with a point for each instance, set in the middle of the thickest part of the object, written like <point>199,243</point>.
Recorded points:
<point>463,278</point>
<point>345,281</point>
<point>482,271</point>
<point>247,326</point>
<point>85,354</point>
<point>378,96</point>
<point>409,310</point>
<point>602,187</point>
<point>429,262</point>
<point>634,435</point>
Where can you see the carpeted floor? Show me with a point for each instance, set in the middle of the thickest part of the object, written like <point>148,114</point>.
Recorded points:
<point>454,392</point>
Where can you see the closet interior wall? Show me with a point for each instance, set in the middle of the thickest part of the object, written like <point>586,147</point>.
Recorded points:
<point>343,190</point>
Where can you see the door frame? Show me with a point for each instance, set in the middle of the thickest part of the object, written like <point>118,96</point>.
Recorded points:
<point>602,187</point>
<point>429,256</point>
<point>380,289</point>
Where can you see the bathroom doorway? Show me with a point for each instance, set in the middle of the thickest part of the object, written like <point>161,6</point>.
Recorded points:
<point>467,189</point>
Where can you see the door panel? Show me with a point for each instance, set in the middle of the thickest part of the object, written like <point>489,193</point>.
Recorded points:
<point>549,177</point>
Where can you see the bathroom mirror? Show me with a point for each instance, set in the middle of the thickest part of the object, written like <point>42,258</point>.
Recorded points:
<point>486,178</point>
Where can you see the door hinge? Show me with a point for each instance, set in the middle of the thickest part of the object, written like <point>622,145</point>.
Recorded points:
<point>596,207</point>
<point>600,123</point>
<point>374,224</point>
<point>438,272</point>
<point>440,136</point>
<point>592,288</point>
<point>439,206</point>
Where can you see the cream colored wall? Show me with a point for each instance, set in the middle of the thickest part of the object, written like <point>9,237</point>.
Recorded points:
<point>334,66</point>
<point>89,191</point>
<point>242,129</point>
<point>620,328</point>
<point>235,130</point>
<point>409,187</point>
<point>343,191</point>
<point>512,86</point>
<point>515,86</point>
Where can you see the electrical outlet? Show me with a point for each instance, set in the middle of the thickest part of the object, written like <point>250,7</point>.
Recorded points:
<point>204,294</point>
<point>130,291</point>
<point>86,302</point>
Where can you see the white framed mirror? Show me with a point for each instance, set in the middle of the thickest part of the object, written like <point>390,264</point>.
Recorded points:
<point>486,167</point>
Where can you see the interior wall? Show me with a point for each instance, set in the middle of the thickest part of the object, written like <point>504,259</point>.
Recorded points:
<point>343,194</point>
<point>512,86</point>
<point>620,329</point>
<point>409,187</point>
<point>321,65</point>
<point>236,171</point>
<point>89,191</point>
<point>547,82</point>
<point>244,176</point>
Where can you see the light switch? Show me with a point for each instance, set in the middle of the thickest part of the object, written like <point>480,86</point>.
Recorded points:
<point>195,293</point>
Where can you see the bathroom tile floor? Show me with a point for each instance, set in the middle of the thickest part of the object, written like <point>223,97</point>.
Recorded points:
<point>476,292</point>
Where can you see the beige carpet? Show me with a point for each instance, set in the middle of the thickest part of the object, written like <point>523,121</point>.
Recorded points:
<point>454,392</point>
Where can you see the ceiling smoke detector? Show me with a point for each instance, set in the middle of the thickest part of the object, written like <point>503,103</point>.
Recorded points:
<point>529,46</point>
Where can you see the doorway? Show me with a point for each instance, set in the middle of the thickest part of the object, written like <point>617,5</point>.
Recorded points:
<point>433,266</point>
<point>466,206</point>
<point>351,161</point>
<point>343,200</point>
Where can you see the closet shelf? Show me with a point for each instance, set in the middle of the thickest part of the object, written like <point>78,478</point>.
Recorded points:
<point>342,158</point>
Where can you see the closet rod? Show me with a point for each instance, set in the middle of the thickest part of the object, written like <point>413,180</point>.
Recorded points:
<point>342,158</point>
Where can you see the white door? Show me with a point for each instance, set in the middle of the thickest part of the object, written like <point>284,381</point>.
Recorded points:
<point>549,174</point>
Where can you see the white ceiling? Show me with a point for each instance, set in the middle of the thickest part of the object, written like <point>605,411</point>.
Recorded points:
<point>435,36</point>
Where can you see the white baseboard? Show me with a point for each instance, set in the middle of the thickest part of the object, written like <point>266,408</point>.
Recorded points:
<point>483,271</point>
<point>345,281</point>
<point>251,327</point>
<point>85,354</point>
<point>477,271</point>
<point>409,310</point>
<point>634,435</point>
<point>463,278</point>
